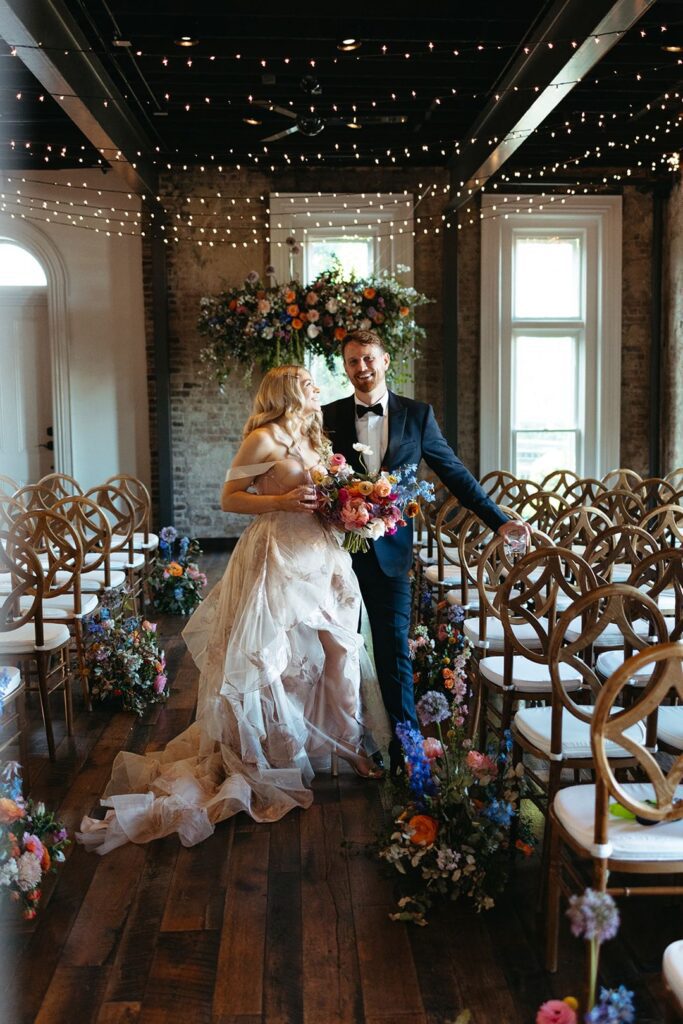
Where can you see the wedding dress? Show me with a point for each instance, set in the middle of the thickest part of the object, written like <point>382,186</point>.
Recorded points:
<point>281,661</point>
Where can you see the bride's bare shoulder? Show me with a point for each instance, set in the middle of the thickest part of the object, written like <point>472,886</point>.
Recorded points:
<point>257,446</point>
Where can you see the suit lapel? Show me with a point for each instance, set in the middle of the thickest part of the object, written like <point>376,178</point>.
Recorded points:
<point>397,422</point>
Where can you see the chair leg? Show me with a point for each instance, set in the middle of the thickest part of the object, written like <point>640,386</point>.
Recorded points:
<point>82,668</point>
<point>553,906</point>
<point>483,713</point>
<point>23,743</point>
<point>42,660</point>
<point>65,669</point>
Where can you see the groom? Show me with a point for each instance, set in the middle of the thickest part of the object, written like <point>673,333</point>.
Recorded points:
<point>399,431</point>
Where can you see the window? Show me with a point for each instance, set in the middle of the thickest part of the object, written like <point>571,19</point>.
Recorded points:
<point>19,268</point>
<point>367,232</point>
<point>551,335</point>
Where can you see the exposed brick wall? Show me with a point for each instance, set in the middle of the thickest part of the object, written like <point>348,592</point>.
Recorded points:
<point>635,329</point>
<point>672,356</point>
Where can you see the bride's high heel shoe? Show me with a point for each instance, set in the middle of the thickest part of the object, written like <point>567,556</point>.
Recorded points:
<point>363,766</point>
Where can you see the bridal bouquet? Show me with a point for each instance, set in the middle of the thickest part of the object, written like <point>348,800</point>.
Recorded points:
<point>124,661</point>
<point>32,842</point>
<point>367,506</point>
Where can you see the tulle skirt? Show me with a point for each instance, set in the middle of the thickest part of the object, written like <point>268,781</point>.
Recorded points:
<point>284,680</point>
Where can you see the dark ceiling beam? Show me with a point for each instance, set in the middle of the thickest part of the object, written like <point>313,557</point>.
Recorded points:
<point>538,80</point>
<point>52,46</point>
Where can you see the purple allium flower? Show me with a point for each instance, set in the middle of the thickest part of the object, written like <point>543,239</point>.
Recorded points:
<point>433,708</point>
<point>252,277</point>
<point>593,916</point>
<point>615,1006</point>
<point>168,534</point>
<point>270,270</point>
<point>290,240</point>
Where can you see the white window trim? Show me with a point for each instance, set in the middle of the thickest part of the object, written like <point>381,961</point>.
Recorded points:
<point>599,216</point>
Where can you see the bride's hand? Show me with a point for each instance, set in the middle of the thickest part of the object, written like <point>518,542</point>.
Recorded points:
<point>300,499</point>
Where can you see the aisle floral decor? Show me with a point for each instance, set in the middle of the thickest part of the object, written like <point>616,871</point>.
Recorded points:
<point>440,653</point>
<point>366,506</point>
<point>593,917</point>
<point>452,821</point>
<point>124,661</point>
<point>32,842</point>
<point>176,582</point>
<point>259,326</point>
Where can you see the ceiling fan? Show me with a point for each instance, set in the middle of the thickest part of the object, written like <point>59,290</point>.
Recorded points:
<point>312,123</point>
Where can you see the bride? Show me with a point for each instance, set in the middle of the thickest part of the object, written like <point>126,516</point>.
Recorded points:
<point>277,645</point>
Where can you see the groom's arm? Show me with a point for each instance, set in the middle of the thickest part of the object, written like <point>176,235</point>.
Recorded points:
<point>440,457</point>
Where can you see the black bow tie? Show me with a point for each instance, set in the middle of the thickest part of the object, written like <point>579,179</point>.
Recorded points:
<point>362,410</point>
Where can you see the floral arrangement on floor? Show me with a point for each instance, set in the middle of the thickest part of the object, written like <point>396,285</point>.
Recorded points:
<point>366,506</point>
<point>32,842</point>
<point>440,654</point>
<point>594,917</point>
<point>452,822</point>
<point>124,661</point>
<point>259,326</point>
<point>175,581</point>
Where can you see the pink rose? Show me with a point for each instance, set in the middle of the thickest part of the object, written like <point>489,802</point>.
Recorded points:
<point>382,488</point>
<point>263,306</point>
<point>311,299</point>
<point>337,460</point>
<point>151,626</point>
<point>355,514</point>
<point>481,764</point>
<point>432,748</point>
<point>556,1011</point>
<point>160,683</point>
<point>313,315</point>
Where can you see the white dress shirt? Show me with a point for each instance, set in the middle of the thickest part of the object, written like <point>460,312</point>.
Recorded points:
<point>373,430</point>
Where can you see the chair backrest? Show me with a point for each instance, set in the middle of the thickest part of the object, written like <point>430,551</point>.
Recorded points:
<point>558,481</point>
<point>18,558</point>
<point>119,510</point>
<point>516,493</point>
<point>140,499</point>
<point>61,484</point>
<point>578,526</point>
<point>473,536</point>
<point>35,496</point>
<point>449,519</point>
<point>94,531</point>
<point>660,575</point>
<point>7,485</point>
<point>675,477</point>
<point>541,508</point>
<point>654,491</point>
<point>494,565</point>
<point>495,481</point>
<point>10,509</point>
<point>618,549</point>
<point>609,725</point>
<point>58,546</point>
<point>583,491</point>
<point>665,524</point>
<point>622,479</point>
<point>621,505</point>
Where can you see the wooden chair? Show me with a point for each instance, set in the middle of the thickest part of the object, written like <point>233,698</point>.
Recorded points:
<point>516,493</point>
<point>577,526</point>
<point>119,511</point>
<point>665,524</point>
<point>445,573</point>
<point>541,509</point>
<point>24,636</point>
<point>614,552</point>
<point>622,506</point>
<point>583,491</point>
<point>583,831</point>
<point>35,496</point>
<point>7,485</point>
<point>558,481</point>
<point>61,485</point>
<point>13,723</point>
<point>495,482</point>
<point>654,491</point>
<point>143,539</point>
<point>622,479</point>
<point>672,975</point>
<point>675,477</point>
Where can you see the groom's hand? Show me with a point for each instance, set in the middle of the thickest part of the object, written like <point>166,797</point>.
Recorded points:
<point>514,530</point>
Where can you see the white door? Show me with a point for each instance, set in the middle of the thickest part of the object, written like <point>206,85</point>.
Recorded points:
<point>26,440</point>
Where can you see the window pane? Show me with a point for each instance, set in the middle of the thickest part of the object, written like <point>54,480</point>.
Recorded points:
<point>19,268</point>
<point>355,256</point>
<point>538,453</point>
<point>547,279</point>
<point>544,382</point>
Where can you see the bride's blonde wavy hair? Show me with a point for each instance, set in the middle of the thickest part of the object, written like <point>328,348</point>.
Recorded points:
<point>281,395</point>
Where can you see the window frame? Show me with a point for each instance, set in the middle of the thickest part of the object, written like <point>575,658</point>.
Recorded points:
<point>598,219</point>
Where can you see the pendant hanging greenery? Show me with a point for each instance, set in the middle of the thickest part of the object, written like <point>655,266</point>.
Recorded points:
<point>256,327</point>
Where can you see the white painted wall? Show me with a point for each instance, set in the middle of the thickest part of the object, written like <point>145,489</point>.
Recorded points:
<point>105,336</point>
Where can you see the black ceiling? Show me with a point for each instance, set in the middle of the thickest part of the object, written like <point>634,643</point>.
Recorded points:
<point>415,86</point>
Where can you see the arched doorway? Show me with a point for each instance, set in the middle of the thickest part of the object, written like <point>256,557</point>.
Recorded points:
<point>26,421</point>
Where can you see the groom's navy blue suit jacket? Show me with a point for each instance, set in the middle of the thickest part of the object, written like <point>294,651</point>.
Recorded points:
<point>413,435</point>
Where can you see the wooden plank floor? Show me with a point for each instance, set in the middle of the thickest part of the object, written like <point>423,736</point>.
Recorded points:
<point>273,924</point>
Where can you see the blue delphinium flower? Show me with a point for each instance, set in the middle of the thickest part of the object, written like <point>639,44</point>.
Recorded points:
<point>178,593</point>
<point>593,916</point>
<point>184,545</point>
<point>4,682</point>
<point>501,812</point>
<point>433,707</point>
<point>421,781</point>
<point>615,1006</point>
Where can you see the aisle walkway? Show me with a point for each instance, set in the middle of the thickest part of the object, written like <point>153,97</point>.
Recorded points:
<point>272,924</point>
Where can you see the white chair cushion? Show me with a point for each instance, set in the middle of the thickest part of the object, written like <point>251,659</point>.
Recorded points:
<point>672,968</point>
<point>575,808</point>
<point>494,633</point>
<point>612,634</point>
<point>451,575</point>
<point>670,725</point>
<point>609,661</point>
<point>138,541</point>
<point>535,725</point>
<point>425,558</point>
<point>527,674</point>
<point>92,582</point>
<point>455,597</point>
<point>23,639</point>
<point>62,607</point>
<point>120,560</point>
<point>10,687</point>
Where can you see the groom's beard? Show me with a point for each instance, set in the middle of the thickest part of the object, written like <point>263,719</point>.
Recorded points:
<point>365,386</point>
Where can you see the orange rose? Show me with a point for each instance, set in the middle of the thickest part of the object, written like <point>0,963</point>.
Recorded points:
<point>173,569</point>
<point>382,488</point>
<point>290,296</point>
<point>404,311</point>
<point>369,293</point>
<point>232,304</point>
<point>297,324</point>
<point>425,829</point>
<point>293,310</point>
<point>9,811</point>
<point>411,510</point>
<point>45,860</point>
<point>339,334</point>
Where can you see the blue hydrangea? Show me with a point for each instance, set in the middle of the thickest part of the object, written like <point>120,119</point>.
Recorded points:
<point>615,1006</point>
<point>501,812</point>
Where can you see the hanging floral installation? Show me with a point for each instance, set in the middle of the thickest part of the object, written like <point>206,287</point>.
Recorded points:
<point>256,327</point>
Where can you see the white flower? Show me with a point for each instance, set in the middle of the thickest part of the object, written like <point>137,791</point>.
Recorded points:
<point>8,872</point>
<point>267,333</point>
<point>30,871</point>
<point>312,331</point>
<point>374,530</point>
<point>365,324</point>
<point>331,305</point>
<point>58,856</point>
<point>363,449</point>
